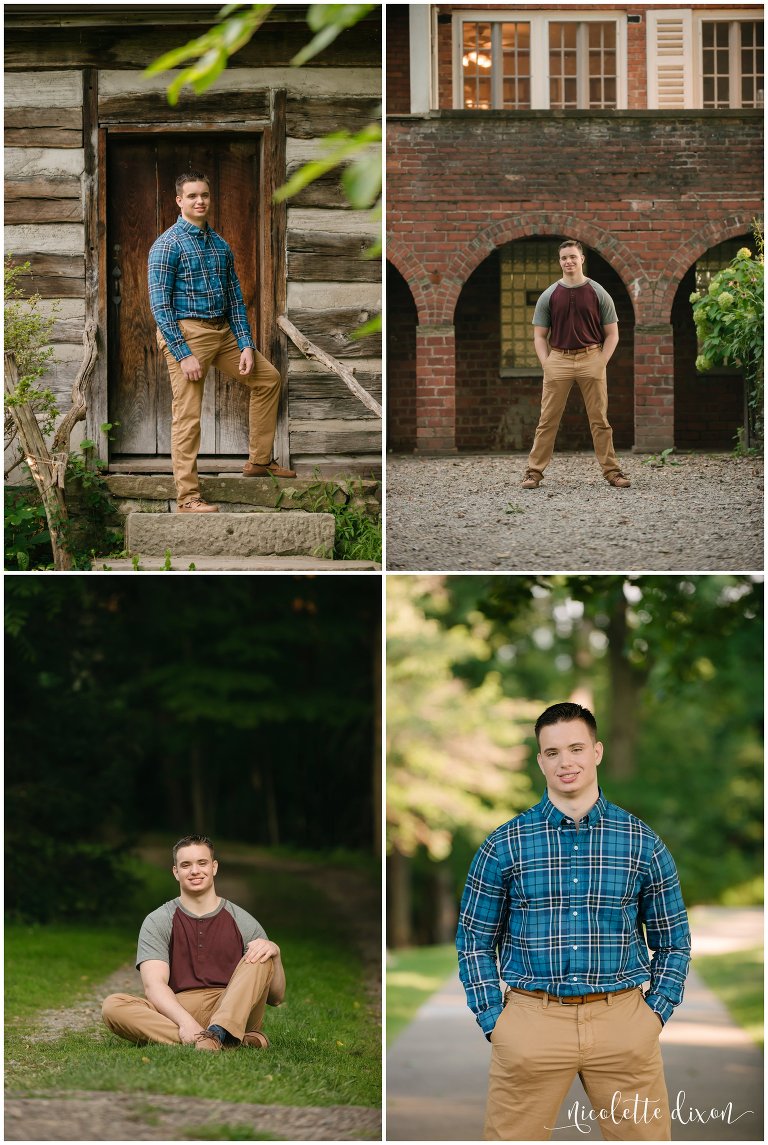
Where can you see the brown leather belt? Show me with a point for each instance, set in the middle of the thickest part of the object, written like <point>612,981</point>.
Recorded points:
<point>574,999</point>
<point>582,350</point>
<point>216,323</point>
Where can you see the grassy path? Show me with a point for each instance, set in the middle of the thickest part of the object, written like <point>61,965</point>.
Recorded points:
<point>326,1038</point>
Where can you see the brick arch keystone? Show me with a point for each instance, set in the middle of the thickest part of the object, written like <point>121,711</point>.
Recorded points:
<point>416,277</point>
<point>718,231</point>
<point>530,226</point>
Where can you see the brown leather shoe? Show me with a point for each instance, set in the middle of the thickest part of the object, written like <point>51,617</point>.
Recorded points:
<point>271,469</point>
<point>205,1040</point>
<point>532,479</point>
<point>256,1040</point>
<point>197,505</point>
<point>619,481</point>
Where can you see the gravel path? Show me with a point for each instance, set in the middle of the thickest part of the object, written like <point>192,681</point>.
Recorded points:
<point>699,512</point>
<point>82,1115</point>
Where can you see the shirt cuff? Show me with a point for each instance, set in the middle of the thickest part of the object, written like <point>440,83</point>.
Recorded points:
<point>661,1006</point>
<point>244,342</point>
<point>179,350</point>
<point>488,1019</point>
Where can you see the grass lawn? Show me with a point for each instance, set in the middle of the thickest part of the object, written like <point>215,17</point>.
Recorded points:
<point>413,976</point>
<point>737,979</point>
<point>326,1044</point>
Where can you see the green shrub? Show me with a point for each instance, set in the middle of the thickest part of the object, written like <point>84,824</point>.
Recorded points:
<point>27,335</point>
<point>729,323</point>
<point>27,539</point>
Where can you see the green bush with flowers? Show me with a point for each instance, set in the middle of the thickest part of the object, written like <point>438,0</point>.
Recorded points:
<point>729,324</point>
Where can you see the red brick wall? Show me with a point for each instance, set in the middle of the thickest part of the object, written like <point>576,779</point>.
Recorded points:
<point>649,193</point>
<point>401,363</point>
<point>398,59</point>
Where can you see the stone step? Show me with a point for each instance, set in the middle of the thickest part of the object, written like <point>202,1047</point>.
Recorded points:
<point>231,534</point>
<point>197,563</point>
<point>235,493</point>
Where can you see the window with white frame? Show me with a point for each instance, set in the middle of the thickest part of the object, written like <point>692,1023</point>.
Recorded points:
<point>705,59</point>
<point>518,61</point>
<point>732,67</point>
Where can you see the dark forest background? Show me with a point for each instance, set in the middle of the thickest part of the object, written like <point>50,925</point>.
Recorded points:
<point>247,708</point>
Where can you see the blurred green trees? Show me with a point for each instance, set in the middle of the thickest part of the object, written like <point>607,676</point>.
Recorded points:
<point>672,668</point>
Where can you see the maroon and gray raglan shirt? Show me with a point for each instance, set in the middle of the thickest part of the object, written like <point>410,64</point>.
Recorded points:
<point>200,951</point>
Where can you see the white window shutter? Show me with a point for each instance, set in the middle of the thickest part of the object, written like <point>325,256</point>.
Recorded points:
<point>670,58</point>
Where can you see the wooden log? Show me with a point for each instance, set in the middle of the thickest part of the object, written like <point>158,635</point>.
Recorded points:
<point>309,118</point>
<point>59,187</point>
<point>47,471</point>
<point>51,265</point>
<point>219,106</point>
<point>304,267</point>
<point>316,354</point>
<point>49,287</point>
<point>335,437</point>
<point>136,47</point>
<point>44,211</point>
<point>43,137</point>
<point>331,331</point>
<point>31,117</point>
<point>334,243</point>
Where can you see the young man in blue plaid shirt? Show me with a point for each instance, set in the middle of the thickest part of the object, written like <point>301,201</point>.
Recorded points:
<point>201,320</point>
<point>562,904</point>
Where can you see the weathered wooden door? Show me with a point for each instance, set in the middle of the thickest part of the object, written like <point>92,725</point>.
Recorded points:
<point>141,204</point>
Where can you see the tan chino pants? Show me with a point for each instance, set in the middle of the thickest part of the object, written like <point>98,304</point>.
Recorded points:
<point>539,1046</point>
<point>562,370</point>
<point>238,1009</point>
<point>217,348</point>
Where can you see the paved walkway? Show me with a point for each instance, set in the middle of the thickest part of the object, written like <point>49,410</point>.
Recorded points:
<point>437,1069</point>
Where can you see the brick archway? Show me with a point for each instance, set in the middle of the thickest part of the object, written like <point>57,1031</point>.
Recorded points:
<point>413,273</point>
<point>464,262</point>
<point>687,254</point>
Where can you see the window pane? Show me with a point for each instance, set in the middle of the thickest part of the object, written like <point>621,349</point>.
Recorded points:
<point>709,92</point>
<point>722,91</point>
<point>526,268</point>
<point>708,34</point>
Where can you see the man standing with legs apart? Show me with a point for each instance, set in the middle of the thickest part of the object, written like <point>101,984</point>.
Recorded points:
<point>201,320</point>
<point>562,903</point>
<point>207,967</point>
<point>575,332</point>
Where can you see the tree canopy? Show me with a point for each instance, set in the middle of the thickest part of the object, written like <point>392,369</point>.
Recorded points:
<point>243,707</point>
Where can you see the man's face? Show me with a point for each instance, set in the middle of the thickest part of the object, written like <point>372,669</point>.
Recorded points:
<point>195,869</point>
<point>569,757</point>
<point>571,261</point>
<point>194,202</point>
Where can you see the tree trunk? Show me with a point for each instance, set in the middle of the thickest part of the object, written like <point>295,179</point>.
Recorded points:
<point>445,908</point>
<point>626,689</point>
<point>44,469</point>
<point>399,900</point>
<point>377,742</point>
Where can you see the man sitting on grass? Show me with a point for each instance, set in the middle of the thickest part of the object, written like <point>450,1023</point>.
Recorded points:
<point>207,967</point>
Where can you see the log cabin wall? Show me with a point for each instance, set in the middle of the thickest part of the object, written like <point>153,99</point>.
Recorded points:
<point>74,76</point>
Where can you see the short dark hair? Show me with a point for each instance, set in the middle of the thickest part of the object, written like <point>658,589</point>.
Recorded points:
<point>563,713</point>
<point>571,242</point>
<point>191,177</point>
<point>193,841</point>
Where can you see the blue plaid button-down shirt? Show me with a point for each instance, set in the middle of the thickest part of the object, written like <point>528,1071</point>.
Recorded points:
<point>192,275</point>
<point>547,907</point>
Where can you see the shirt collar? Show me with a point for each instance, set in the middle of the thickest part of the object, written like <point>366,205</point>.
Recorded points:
<point>553,815</point>
<point>190,228</point>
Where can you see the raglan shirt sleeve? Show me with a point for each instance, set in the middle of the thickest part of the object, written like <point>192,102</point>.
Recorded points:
<point>667,932</point>
<point>236,312</point>
<point>542,315</point>
<point>155,936</point>
<point>247,925</point>
<point>161,274</point>
<point>607,308</point>
<point>482,918</point>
